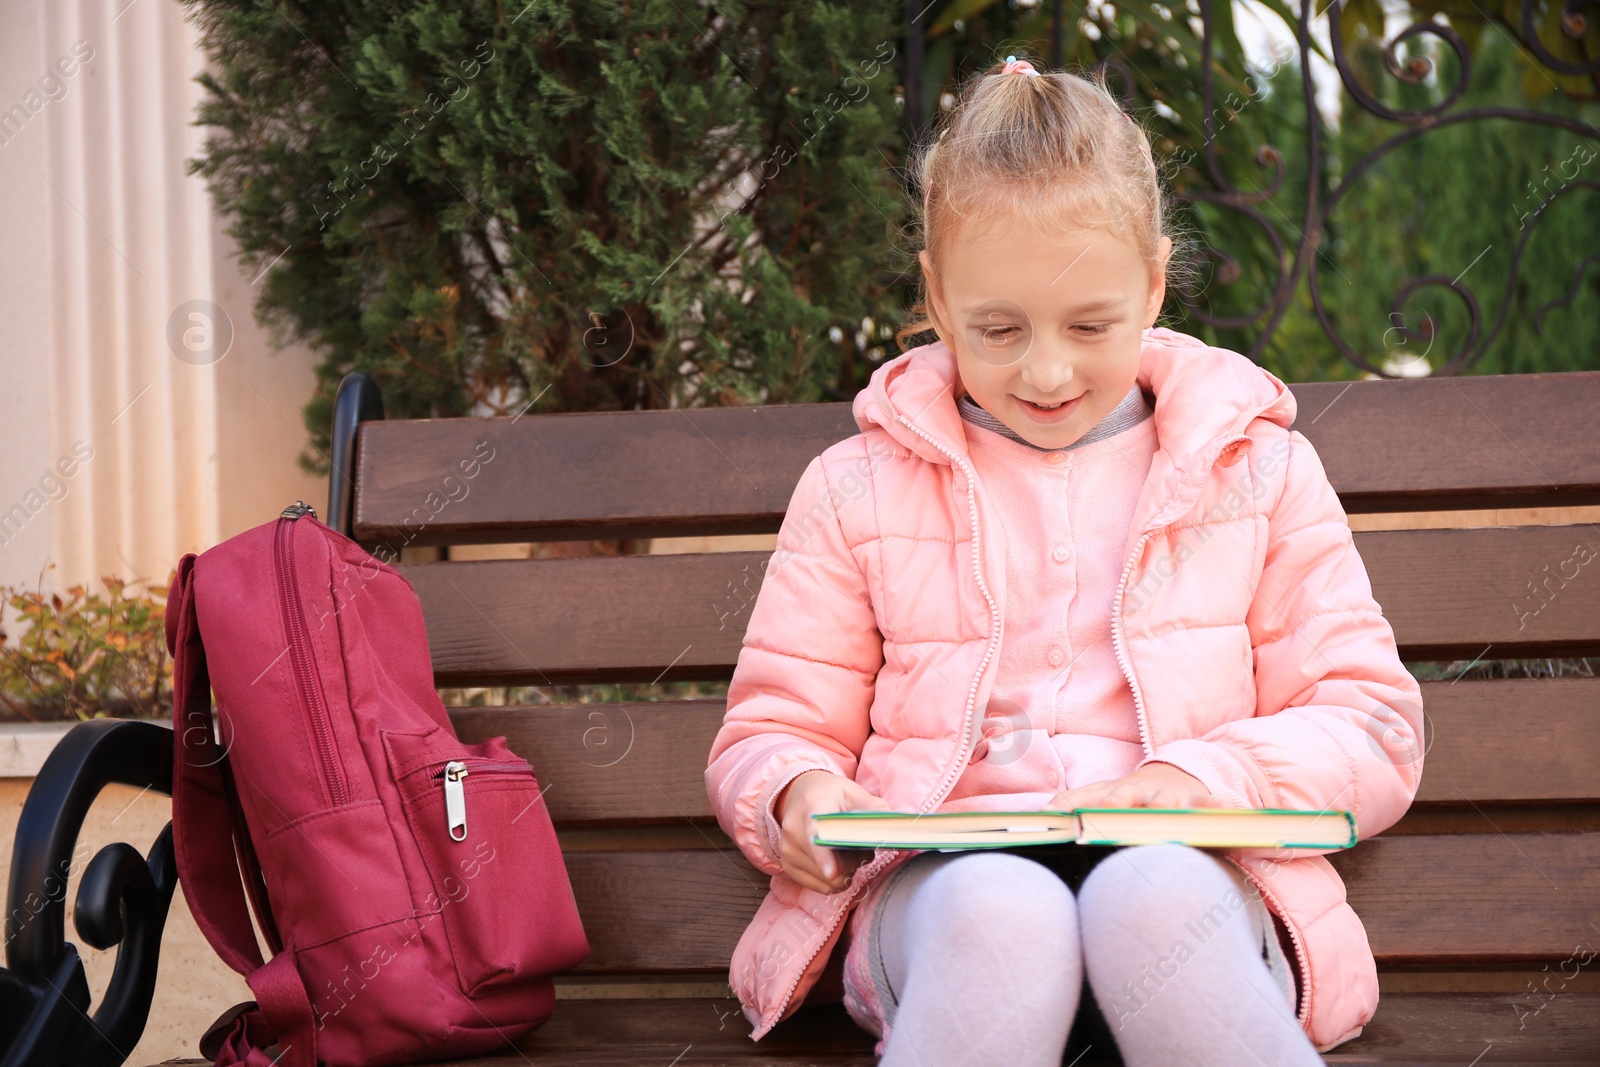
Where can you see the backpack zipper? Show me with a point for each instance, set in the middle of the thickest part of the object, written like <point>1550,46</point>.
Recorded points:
<point>305,666</point>
<point>455,793</point>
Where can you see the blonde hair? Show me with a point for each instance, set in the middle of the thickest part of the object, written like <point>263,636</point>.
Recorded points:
<point>1054,147</point>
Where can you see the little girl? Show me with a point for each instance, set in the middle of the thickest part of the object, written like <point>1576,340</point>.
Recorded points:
<point>1070,560</point>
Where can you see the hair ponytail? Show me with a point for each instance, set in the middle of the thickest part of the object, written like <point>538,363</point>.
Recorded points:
<point>1051,146</point>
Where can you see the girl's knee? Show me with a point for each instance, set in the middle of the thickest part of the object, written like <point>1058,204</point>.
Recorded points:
<point>1167,884</point>
<point>1152,872</point>
<point>999,897</point>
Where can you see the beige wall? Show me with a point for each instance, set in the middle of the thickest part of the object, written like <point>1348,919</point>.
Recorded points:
<point>106,237</point>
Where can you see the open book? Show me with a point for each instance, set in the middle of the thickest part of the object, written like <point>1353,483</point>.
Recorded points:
<point>1201,827</point>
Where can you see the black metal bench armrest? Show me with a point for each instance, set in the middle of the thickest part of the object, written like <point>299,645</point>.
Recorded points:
<point>122,900</point>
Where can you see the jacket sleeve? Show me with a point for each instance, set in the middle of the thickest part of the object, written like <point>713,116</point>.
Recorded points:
<point>802,688</point>
<point>1338,721</point>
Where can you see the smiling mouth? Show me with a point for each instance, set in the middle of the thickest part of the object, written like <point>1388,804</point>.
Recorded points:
<point>1046,407</point>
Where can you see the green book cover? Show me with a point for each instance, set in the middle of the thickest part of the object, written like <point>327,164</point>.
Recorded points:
<point>1199,827</point>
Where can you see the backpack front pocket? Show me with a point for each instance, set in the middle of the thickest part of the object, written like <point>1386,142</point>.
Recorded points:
<point>499,883</point>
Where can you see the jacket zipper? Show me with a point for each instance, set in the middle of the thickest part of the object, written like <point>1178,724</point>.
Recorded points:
<point>878,863</point>
<point>1144,739</point>
<point>1116,614</point>
<point>454,772</point>
<point>300,654</point>
<point>994,617</point>
<point>1116,641</point>
<point>1294,938</point>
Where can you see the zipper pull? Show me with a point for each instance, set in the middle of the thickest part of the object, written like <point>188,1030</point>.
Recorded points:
<point>455,799</point>
<point>297,509</point>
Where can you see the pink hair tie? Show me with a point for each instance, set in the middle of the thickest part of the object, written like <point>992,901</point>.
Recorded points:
<point>1144,146</point>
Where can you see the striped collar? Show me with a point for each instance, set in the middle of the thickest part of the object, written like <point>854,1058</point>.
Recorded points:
<point>1133,410</point>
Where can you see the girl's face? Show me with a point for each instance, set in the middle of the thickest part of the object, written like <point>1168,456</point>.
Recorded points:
<point>1041,318</point>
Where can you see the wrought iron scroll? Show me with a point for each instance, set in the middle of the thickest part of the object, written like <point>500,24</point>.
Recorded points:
<point>1417,123</point>
<point>46,1018</point>
<point>1295,245</point>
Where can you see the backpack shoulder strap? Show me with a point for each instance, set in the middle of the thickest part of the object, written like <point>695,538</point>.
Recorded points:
<point>255,885</point>
<point>202,828</point>
<point>207,826</point>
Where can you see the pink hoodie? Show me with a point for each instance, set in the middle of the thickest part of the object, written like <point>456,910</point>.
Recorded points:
<point>1244,621</point>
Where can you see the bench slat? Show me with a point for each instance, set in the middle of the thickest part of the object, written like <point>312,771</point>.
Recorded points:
<point>1409,445</point>
<point>1459,1027</point>
<point>1509,898</point>
<point>1446,443</point>
<point>642,762</point>
<point>587,475</point>
<point>1450,594</point>
<point>1557,730</point>
<point>1506,592</point>
<point>1409,1028</point>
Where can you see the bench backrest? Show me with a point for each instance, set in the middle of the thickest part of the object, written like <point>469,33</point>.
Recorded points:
<point>1472,877</point>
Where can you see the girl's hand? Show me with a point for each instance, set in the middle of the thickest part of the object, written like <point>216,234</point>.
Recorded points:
<point>815,793</point>
<point>1155,785</point>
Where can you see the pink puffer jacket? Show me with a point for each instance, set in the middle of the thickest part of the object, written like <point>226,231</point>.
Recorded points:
<point>1245,622</point>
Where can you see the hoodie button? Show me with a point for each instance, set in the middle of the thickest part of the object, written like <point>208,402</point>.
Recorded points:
<point>1060,554</point>
<point>1055,458</point>
<point>1057,657</point>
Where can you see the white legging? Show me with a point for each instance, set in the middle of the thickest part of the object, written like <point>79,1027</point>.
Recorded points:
<point>985,954</point>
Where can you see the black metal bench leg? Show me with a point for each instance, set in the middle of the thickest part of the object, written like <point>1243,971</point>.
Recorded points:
<point>123,897</point>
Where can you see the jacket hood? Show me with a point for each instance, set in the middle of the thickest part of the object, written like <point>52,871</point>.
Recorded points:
<point>1203,397</point>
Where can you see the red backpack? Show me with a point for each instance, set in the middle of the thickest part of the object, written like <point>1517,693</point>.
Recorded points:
<point>410,887</point>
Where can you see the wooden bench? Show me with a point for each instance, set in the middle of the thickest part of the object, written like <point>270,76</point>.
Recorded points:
<point>1487,889</point>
